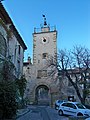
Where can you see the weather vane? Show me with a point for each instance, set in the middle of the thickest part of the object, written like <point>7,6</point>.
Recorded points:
<point>45,23</point>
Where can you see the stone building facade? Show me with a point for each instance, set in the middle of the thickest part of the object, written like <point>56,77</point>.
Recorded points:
<point>12,46</point>
<point>42,83</point>
<point>44,86</point>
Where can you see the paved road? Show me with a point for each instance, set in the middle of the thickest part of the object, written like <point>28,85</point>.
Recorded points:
<point>42,113</point>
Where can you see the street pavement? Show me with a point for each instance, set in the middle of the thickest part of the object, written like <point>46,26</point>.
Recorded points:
<point>88,119</point>
<point>53,114</point>
<point>41,113</point>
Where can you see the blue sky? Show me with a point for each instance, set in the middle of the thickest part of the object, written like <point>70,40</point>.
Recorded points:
<point>71,17</point>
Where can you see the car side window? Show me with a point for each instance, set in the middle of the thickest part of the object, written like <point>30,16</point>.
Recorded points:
<point>71,105</point>
<point>64,104</point>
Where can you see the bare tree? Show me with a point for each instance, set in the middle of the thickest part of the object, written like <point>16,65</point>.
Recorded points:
<point>76,62</point>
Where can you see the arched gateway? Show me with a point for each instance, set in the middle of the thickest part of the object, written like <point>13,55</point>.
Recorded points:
<point>42,95</point>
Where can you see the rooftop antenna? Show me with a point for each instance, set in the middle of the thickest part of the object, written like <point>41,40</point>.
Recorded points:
<point>45,23</point>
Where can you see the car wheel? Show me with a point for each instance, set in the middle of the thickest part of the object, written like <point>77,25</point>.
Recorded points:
<point>55,107</point>
<point>79,114</point>
<point>60,112</point>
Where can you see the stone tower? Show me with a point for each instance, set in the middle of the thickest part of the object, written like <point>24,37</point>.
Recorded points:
<point>42,83</point>
<point>44,45</point>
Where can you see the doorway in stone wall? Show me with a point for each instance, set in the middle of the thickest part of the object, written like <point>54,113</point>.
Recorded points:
<point>42,95</point>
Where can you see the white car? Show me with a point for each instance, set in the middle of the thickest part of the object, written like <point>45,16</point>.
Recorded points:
<point>73,109</point>
<point>57,103</point>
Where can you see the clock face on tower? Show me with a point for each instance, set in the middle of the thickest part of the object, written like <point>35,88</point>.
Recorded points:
<point>45,40</point>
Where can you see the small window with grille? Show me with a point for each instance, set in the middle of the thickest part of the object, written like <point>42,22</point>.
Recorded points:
<point>44,55</point>
<point>41,73</point>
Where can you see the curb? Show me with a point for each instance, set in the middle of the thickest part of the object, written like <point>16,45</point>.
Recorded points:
<point>17,116</point>
<point>88,118</point>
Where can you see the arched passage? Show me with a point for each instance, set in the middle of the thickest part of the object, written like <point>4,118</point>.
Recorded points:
<point>42,95</point>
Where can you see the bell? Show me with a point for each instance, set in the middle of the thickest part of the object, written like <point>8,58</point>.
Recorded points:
<point>45,23</point>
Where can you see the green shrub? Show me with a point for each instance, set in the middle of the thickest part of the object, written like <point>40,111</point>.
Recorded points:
<point>8,104</point>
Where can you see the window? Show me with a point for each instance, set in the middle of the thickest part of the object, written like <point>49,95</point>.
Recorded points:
<point>44,55</point>
<point>41,73</point>
<point>15,55</point>
<point>71,105</point>
<point>80,106</point>
<point>44,73</point>
<point>18,66</point>
<point>38,61</point>
<point>2,46</point>
<point>65,104</point>
<point>19,49</point>
<point>28,70</point>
